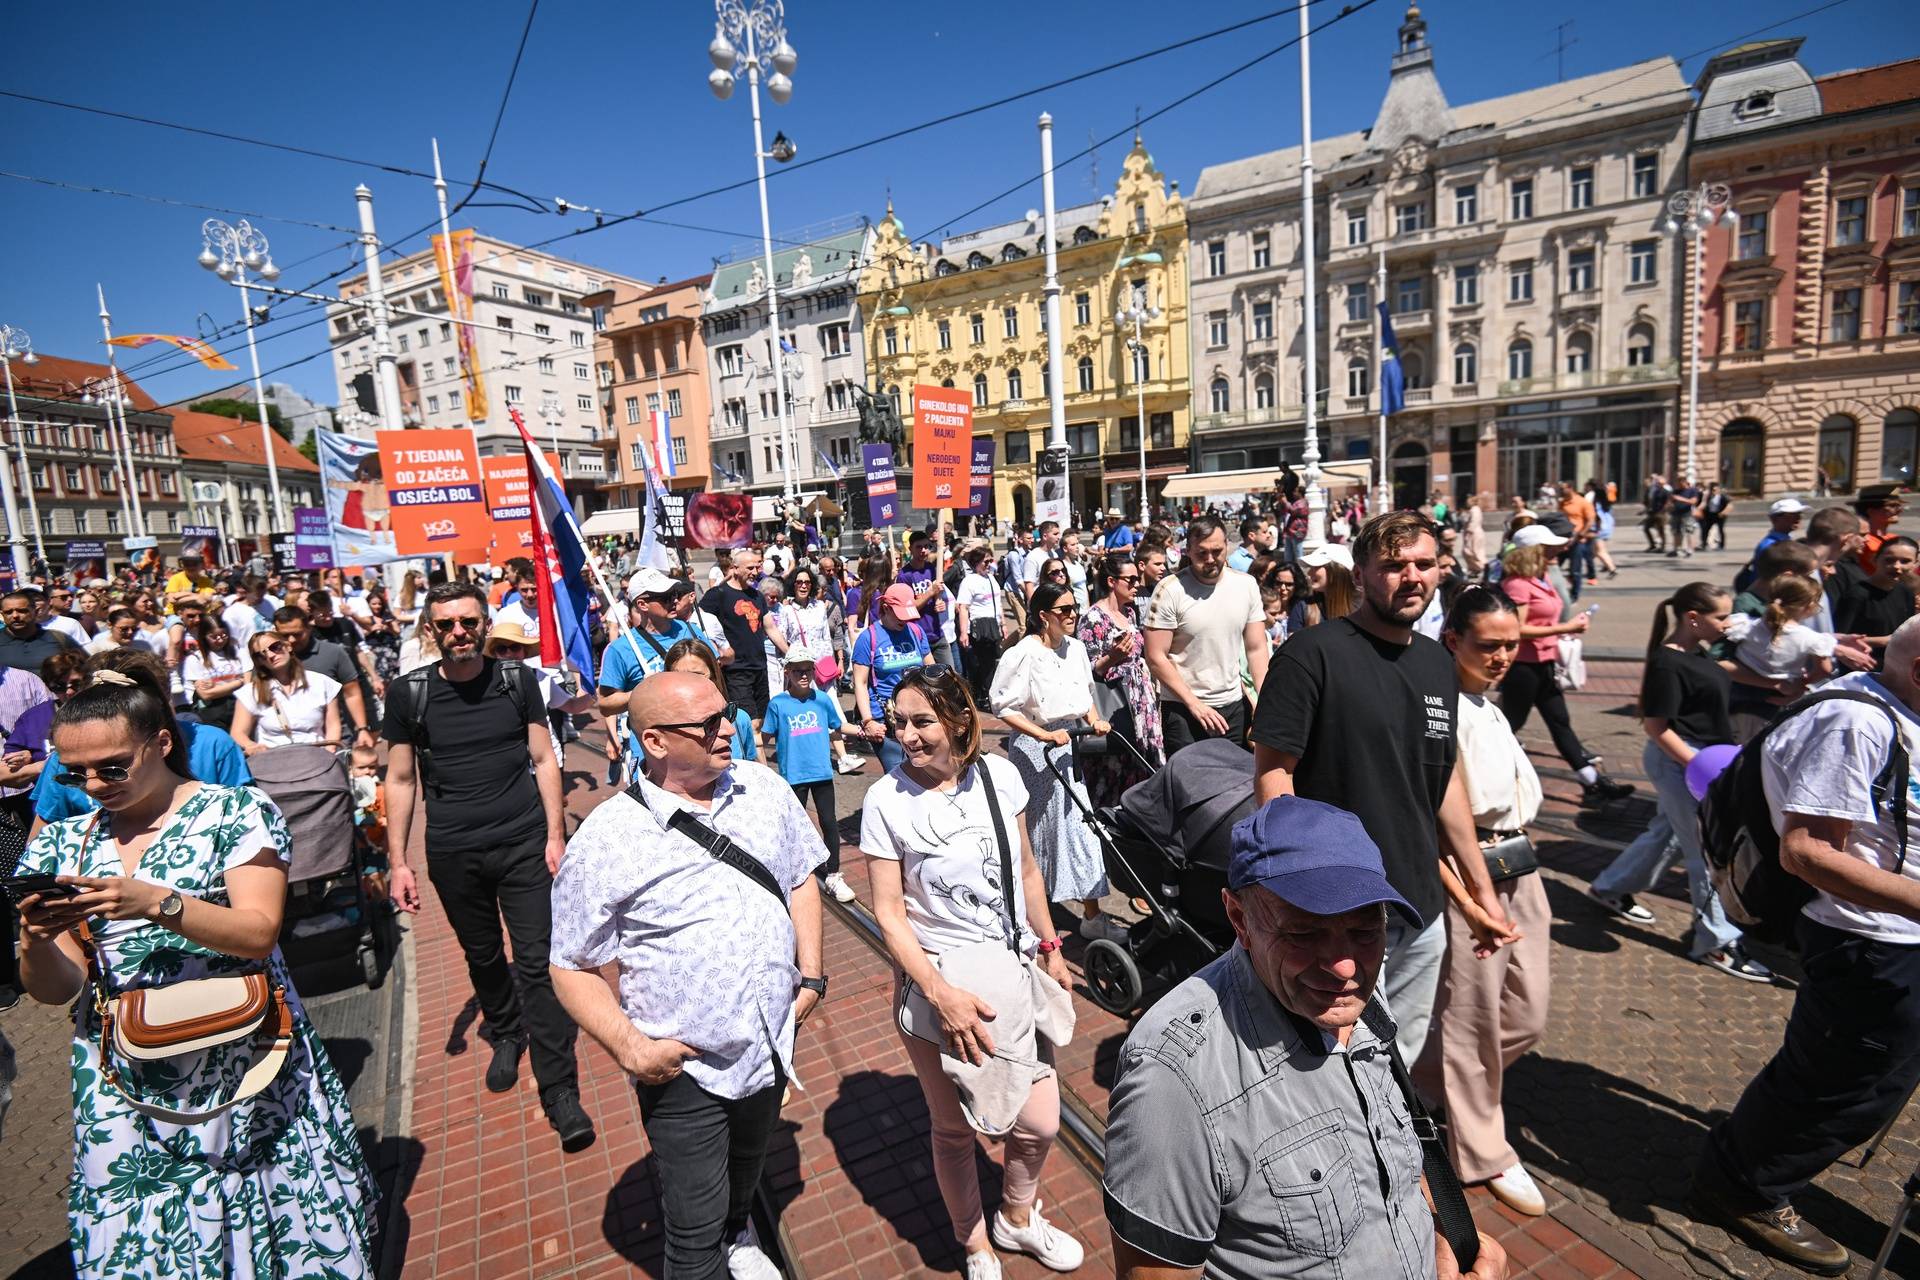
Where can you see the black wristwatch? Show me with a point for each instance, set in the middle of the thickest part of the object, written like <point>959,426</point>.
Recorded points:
<point>816,985</point>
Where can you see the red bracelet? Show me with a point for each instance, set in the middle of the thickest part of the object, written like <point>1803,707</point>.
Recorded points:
<point>1049,944</point>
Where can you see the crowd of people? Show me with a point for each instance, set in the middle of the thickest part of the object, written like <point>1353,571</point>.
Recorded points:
<point>1385,896</point>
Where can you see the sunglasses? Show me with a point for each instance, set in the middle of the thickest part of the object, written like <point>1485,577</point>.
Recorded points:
<point>277,646</point>
<point>445,626</point>
<point>1056,573</point>
<point>1065,615</point>
<point>708,729</point>
<point>78,775</point>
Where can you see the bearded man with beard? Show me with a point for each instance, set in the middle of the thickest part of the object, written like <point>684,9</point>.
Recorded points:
<point>1357,712</point>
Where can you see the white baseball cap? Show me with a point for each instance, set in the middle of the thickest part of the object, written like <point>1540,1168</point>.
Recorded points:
<point>648,582</point>
<point>1537,535</point>
<point>1329,553</point>
<point>798,655</point>
<point>1787,507</point>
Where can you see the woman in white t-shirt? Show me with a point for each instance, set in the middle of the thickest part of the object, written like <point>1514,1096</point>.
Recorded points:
<point>282,703</point>
<point>214,671</point>
<point>934,859</point>
<point>1491,1008</point>
<point>976,622</point>
<point>1043,689</point>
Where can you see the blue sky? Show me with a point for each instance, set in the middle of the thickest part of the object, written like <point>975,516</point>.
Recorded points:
<point>610,110</point>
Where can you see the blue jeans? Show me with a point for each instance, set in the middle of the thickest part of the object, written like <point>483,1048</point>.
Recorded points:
<point>1641,864</point>
<point>892,754</point>
<point>1579,566</point>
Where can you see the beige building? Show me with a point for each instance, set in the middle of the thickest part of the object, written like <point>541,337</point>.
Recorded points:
<point>1532,291</point>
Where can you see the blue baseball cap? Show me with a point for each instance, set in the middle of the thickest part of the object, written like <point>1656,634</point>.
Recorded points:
<point>1315,856</point>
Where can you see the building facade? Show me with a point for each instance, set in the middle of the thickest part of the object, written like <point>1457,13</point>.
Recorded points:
<point>76,487</point>
<point>816,279</point>
<point>533,349</point>
<point>302,416</point>
<point>649,356</point>
<point>225,453</point>
<point>1810,329</point>
<point>1532,290</point>
<point>969,312</point>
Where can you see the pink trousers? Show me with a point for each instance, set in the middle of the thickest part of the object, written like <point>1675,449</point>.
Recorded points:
<point>1027,1144</point>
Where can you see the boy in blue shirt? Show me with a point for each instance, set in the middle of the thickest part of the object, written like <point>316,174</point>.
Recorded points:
<point>892,645</point>
<point>802,731</point>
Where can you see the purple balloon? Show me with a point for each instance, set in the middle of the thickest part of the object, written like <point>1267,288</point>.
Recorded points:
<point>1707,764</point>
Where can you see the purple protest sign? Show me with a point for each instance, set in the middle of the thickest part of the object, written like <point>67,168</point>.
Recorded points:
<point>312,538</point>
<point>980,478</point>
<point>883,498</point>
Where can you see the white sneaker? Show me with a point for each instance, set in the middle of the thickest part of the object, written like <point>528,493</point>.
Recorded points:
<point>1055,1249</point>
<point>851,763</point>
<point>1516,1189</point>
<point>1104,927</point>
<point>983,1266</point>
<point>746,1262</point>
<point>836,884</point>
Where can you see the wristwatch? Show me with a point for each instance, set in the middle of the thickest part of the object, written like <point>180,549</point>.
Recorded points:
<point>170,907</point>
<point>816,985</point>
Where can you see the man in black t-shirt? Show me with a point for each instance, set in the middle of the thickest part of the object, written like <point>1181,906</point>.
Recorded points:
<point>1358,712</point>
<point>740,611</point>
<point>472,732</point>
<point>1874,607</point>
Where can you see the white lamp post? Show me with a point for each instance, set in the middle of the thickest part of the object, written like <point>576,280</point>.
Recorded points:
<point>1690,215</point>
<point>761,25</point>
<point>230,250</point>
<point>109,395</point>
<point>1137,314</point>
<point>15,344</point>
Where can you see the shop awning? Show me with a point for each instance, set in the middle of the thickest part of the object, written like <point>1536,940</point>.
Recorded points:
<point>614,520</point>
<point>1235,484</point>
<point>825,506</point>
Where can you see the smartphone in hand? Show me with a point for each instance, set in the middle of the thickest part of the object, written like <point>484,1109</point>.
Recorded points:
<point>19,887</point>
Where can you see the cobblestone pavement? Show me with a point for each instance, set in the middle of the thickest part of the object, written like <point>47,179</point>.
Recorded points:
<point>37,1150</point>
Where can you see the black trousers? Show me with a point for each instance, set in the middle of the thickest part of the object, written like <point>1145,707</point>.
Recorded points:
<point>1850,1057</point>
<point>821,793</point>
<point>747,689</point>
<point>1182,730</point>
<point>1529,685</point>
<point>708,1152</point>
<point>481,887</point>
<point>983,659</point>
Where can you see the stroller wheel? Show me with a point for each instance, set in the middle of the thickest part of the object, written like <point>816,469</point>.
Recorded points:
<point>1113,979</point>
<point>370,966</point>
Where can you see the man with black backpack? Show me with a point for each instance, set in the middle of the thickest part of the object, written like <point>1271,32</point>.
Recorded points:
<point>472,731</point>
<point>1836,773</point>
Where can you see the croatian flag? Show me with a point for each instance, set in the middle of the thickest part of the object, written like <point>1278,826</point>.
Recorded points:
<point>663,442</point>
<point>831,465</point>
<point>560,561</point>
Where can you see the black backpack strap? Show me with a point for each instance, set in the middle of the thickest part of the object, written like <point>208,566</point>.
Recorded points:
<point>1443,1184</point>
<point>719,847</point>
<point>1890,784</point>
<point>514,678</point>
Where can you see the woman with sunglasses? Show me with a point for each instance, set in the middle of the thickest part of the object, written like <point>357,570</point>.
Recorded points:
<point>151,630</point>
<point>174,880</point>
<point>282,703</point>
<point>806,617</point>
<point>1043,689</point>
<point>697,657</point>
<point>1111,632</point>
<point>214,669</point>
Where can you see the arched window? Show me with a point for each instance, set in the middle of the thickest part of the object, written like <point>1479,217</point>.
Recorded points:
<point>1015,384</point>
<point>1897,442</point>
<point>977,259</point>
<point>1466,365</point>
<point>1263,391</point>
<point>1640,347</point>
<point>946,382</point>
<point>1086,373</point>
<point>1220,396</point>
<point>1359,379</point>
<point>1838,436</point>
<point>893,398</point>
<point>1012,253</point>
<point>979,390</point>
<point>1579,352</point>
<point>1519,359</point>
<point>1083,235</point>
<point>1413,367</point>
<point>1022,504</point>
<point>944,268</point>
<point>1142,365</point>
<point>1742,456</point>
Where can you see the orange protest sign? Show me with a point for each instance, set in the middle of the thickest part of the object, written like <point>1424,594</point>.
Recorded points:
<point>942,446</point>
<point>510,502</point>
<point>434,492</point>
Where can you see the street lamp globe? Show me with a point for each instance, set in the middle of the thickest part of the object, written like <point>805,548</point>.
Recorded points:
<point>779,88</point>
<point>784,58</point>
<point>268,271</point>
<point>208,258</point>
<point>722,52</point>
<point>30,358</point>
<point>721,82</point>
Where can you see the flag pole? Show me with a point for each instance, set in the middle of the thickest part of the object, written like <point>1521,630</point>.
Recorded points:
<point>1383,492</point>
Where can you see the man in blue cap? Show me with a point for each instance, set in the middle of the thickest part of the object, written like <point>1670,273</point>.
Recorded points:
<point>1257,1128</point>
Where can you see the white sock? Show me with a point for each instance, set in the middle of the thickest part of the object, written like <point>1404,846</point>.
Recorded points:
<point>1587,774</point>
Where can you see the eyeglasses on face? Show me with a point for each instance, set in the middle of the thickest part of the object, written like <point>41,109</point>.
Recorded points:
<point>708,729</point>
<point>77,775</point>
<point>277,646</point>
<point>446,626</point>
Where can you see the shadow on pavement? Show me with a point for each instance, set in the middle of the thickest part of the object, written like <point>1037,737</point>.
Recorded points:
<point>879,1128</point>
<point>631,1222</point>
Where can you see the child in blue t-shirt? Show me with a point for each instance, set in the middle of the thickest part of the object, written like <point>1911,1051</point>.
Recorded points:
<point>801,730</point>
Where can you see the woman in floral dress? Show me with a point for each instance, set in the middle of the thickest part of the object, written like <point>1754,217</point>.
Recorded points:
<point>179,880</point>
<point>1111,631</point>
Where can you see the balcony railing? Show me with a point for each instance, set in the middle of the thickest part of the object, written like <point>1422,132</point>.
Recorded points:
<point>1204,422</point>
<point>1419,395</point>
<point>1592,379</point>
<point>721,428</point>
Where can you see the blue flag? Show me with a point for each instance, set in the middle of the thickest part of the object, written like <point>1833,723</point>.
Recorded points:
<point>1393,379</point>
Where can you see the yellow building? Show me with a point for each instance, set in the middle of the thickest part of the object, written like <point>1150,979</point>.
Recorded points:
<point>968,312</point>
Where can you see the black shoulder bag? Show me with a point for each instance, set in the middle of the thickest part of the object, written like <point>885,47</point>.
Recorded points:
<point>719,847</point>
<point>1443,1184</point>
<point>1006,857</point>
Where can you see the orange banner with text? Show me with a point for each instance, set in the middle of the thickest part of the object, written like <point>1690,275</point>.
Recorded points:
<point>942,446</point>
<point>510,502</point>
<point>435,497</point>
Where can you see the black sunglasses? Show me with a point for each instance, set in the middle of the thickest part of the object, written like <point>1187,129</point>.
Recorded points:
<point>77,775</point>
<point>446,625</point>
<point>708,729</point>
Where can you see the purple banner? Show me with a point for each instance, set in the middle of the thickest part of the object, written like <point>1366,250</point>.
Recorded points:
<point>883,498</point>
<point>980,478</point>
<point>312,538</point>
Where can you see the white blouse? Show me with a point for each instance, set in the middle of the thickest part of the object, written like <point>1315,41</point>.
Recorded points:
<point>1043,684</point>
<point>1502,788</point>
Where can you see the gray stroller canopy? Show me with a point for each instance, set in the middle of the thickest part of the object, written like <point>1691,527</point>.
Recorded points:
<point>1190,806</point>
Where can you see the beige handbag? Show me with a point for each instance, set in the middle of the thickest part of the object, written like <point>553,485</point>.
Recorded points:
<point>154,1023</point>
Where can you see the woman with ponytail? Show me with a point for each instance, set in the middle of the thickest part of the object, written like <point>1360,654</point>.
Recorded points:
<point>1683,707</point>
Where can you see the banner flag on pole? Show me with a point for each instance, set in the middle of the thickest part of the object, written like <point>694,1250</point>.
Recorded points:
<point>663,442</point>
<point>560,560</point>
<point>1393,379</point>
<point>653,551</point>
<point>199,350</point>
<point>832,466</point>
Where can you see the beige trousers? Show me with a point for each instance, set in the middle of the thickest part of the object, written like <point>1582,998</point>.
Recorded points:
<point>1487,1014</point>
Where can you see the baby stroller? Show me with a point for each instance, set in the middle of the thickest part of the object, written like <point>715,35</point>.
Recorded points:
<point>337,882</point>
<point>1166,843</point>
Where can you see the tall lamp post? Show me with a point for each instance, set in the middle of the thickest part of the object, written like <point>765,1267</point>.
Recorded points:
<point>230,250</point>
<point>107,393</point>
<point>761,25</point>
<point>1137,313</point>
<point>1690,215</point>
<point>15,344</point>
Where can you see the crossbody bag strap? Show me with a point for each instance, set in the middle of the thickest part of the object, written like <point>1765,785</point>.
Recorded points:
<point>1443,1184</point>
<point>720,848</point>
<point>1006,856</point>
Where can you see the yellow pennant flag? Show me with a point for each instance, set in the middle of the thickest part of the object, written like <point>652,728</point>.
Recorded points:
<point>199,350</point>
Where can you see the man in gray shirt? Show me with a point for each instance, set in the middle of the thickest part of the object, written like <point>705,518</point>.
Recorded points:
<point>1257,1128</point>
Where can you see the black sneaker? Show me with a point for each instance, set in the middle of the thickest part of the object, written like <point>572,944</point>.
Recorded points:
<point>504,1071</point>
<point>568,1118</point>
<point>1604,790</point>
<point>1734,961</point>
<point>9,996</point>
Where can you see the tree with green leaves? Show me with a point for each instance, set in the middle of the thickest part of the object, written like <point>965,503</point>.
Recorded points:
<point>245,409</point>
